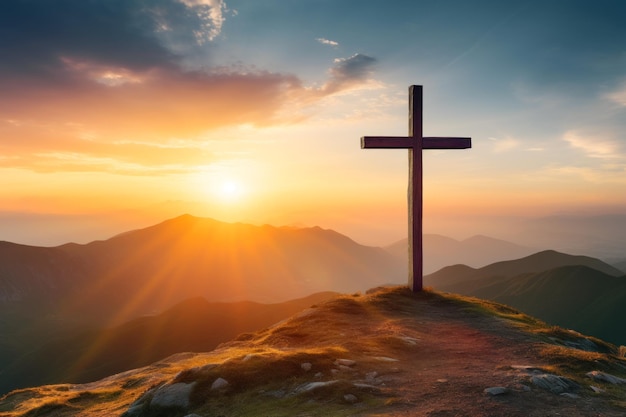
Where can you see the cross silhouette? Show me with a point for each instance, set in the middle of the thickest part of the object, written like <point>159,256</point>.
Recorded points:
<point>415,142</point>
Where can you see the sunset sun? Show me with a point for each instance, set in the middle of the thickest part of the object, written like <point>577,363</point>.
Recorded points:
<point>230,190</point>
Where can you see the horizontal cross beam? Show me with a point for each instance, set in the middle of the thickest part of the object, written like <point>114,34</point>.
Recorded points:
<point>404,142</point>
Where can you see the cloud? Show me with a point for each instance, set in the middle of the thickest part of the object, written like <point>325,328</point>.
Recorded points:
<point>327,42</point>
<point>108,80</point>
<point>211,15</point>
<point>593,146</point>
<point>504,145</point>
<point>348,73</point>
<point>134,34</point>
<point>618,96</point>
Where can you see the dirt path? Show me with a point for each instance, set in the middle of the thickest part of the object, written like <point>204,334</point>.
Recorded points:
<point>451,354</point>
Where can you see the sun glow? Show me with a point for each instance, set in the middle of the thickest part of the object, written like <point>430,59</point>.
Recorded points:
<point>230,190</point>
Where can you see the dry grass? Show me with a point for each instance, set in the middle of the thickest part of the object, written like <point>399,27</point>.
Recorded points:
<point>264,370</point>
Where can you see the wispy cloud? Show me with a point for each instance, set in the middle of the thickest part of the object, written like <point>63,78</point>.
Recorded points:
<point>618,96</point>
<point>504,144</point>
<point>592,145</point>
<point>327,42</point>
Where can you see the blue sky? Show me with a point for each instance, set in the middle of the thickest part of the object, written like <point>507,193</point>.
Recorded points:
<point>128,112</point>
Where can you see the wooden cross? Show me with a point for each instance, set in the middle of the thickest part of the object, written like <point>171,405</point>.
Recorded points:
<point>415,142</point>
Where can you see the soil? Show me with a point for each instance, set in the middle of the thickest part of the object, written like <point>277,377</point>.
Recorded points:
<point>452,355</point>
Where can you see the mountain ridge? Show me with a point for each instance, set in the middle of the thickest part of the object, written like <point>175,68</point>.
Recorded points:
<point>576,292</point>
<point>537,262</point>
<point>193,256</point>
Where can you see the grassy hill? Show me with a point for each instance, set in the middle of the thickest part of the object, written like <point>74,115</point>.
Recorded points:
<point>389,352</point>
<point>576,292</point>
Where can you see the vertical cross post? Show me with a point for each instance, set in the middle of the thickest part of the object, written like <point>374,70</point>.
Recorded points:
<point>415,142</point>
<point>415,190</point>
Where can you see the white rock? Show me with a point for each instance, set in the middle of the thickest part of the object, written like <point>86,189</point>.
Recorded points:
<point>306,366</point>
<point>385,359</point>
<point>314,385</point>
<point>604,377</point>
<point>350,398</point>
<point>219,383</point>
<point>554,383</point>
<point>410,340</point>
<point>597,390</point>
<point>345,362</point>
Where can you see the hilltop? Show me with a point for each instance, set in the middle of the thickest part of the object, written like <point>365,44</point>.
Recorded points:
<point>388,352</point>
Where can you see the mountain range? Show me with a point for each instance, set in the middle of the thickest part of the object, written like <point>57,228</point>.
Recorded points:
<point>90,305</point>
<point>575,292</point>
<point>148,270</point>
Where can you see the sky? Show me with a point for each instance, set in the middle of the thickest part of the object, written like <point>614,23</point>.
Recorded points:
<point>118,114</point>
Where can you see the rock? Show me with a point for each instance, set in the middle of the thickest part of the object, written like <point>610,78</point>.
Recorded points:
<point>570,395</point>
<point>622,352</point>
<point>306,366</point>
<point>371,375</point>
<point>219,383</point>
<point>385,359</point>
<point>583,344</point>
<point>135,409</point>
<point>596,389</point>
<point>310,386</point>
<point>193,415</point>
<point>554,383</point>
<point>350,398</point>
<point>345,362</point>
<point>409,340</point>
<point>604,377</point>
<point>174,395</point>
<point>496,391</point>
